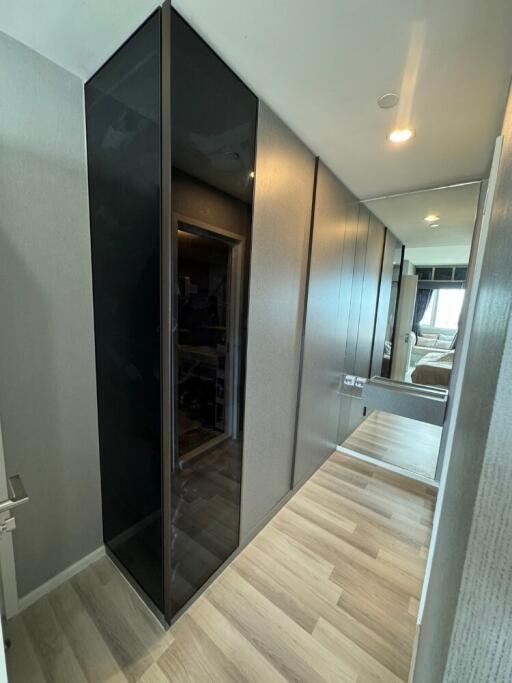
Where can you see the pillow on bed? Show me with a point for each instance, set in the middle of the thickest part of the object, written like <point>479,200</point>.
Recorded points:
<point>426,341</point>
<point>429,335</point>
<point>446,337</point>
<point>440,344</point>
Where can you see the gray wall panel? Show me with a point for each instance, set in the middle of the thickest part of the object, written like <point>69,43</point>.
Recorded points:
<point>484,588</point>
<point>481,646</point>
<point>361,321</point>
<point>47,370</point>
<point>346,293</point>
<point>281,224</point>
<point>323,351</point>
<point>369,296</point>
<point>349,405</point>
<point>363,224</point>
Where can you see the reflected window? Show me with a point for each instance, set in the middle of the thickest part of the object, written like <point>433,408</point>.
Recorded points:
<point>444,308</point>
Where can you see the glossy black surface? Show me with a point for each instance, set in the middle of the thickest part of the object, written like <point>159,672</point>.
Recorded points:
<point>123,145</point>
<point>213,147</point>
<point>389,344</point>
<point>203,334</point>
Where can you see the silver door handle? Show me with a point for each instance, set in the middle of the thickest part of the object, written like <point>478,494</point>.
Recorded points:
<point>17,494</point>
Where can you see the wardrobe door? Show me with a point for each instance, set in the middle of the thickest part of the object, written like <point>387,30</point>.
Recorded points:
<point>323,348</point>
<point>371,273</point>
<point>281,225</point>
<point>213,130</point>
<point>123,145</point>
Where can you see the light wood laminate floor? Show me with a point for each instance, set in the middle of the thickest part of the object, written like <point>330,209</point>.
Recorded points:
<point>398,440</point>
<point>328,591</point>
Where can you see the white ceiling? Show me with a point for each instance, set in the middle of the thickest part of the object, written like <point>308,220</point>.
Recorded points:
<point>322,65</point>
<point>438,256</point>
<point>405,215</point>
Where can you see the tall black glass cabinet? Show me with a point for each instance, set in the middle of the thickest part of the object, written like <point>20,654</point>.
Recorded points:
<point>171,151</point>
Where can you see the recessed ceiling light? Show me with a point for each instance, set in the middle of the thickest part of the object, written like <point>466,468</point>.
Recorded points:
<point>434,225</point>
<point>401,135</point>
<point>388,100</point>
<point>432,218</point>
<point>251,174</point>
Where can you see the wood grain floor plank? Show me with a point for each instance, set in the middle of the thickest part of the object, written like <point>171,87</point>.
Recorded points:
<point>364,667</point>
<point>203,660</point>
<point>154,675</point>
<point>91,651</point>
<point>22,662</point>
<point>150,632</point>
<point>238,649</point>
<point>290,649</point>
<point>57,659</point>
<point>124,643</point>
<point>276,591</point>
<point>299,554</point>
<point>291,575</point>
<point>327,592</point>
<point>411,532</point>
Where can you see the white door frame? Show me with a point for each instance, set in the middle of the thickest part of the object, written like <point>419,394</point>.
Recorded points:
<point>10,604</point>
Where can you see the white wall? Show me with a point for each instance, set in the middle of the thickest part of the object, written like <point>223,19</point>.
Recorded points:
<point>47,373</point>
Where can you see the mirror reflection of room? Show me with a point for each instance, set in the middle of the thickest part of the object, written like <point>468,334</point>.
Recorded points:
<point>436,228</point>
<point>422,290</point>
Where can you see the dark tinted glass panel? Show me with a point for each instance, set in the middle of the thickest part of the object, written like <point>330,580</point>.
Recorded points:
<point>123,144</point>
<point>424,273</point>
<point>443,273</point>
<point>387,358</point>
<point>460,273</point>
<point>213,141</point>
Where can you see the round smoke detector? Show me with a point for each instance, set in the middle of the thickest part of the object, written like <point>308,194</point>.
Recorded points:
<point>388,100</point>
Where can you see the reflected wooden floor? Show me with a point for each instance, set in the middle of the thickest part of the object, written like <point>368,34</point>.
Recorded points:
<point>398,440</point>
<point>328,591</point>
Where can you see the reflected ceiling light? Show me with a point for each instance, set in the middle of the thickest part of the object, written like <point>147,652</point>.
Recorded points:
<point>388,100</point>
<point>432,218</point>
<point>251,174</point>
<point>434,225</point>
<point>401,135</point>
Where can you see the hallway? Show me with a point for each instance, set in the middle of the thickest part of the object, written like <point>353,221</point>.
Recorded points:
<point>328,591</point>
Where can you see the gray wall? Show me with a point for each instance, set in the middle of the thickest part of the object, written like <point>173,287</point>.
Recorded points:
<point>481,647</point>
<point>47,373</point>
<point>470,443</point>
<point>280,237</point>
<point>364,257</point>
<point>323,352</point>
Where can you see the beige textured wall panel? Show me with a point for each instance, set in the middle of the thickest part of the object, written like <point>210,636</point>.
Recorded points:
<point>281,224</point>
<point>324,335</point>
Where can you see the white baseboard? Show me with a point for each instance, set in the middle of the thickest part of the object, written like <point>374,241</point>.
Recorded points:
<point>388,466</point>
<point>61,578</point>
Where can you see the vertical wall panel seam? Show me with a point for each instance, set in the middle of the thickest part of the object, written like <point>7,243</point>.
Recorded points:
<point>304,321</point>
